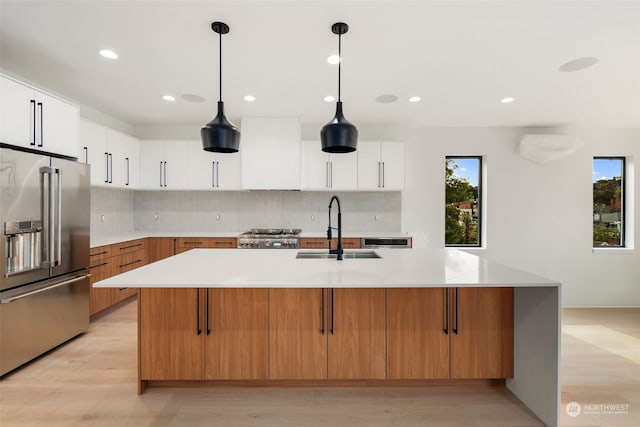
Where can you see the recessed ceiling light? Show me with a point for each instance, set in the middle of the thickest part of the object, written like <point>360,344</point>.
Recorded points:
<point>189,97</point>
<point>249,98</point>
<point>168,98</point>
<point>386,99</point>
<point>578,64</point>
<point>415,99</point>
<point>333,59</point>
<point>507,100</point>
<point>109,54</point>
<point>329,98</point>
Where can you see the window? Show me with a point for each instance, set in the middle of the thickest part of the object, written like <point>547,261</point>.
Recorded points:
<point>608,201</point>
<point>463,183</point>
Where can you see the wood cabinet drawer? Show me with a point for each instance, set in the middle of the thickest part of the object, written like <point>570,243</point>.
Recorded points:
<point>186,243</point>
<point>129,261</point>
<point>99,253</point>
<point>321,243</point>
<point>129,246</point>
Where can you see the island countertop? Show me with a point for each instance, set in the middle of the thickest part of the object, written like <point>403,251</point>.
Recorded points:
<point>268,268</point>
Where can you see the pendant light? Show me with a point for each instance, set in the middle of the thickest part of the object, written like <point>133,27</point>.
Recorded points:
<point>220,135</point>
<point>339,135</point>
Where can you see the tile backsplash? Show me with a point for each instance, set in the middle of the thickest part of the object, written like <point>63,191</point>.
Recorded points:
<point>118,211</point>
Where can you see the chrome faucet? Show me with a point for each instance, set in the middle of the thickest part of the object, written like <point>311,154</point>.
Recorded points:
<point>338,250</point>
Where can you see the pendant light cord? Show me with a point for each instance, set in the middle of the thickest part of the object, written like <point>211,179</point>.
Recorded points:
<point>220,62</point>
<point>339,62</point>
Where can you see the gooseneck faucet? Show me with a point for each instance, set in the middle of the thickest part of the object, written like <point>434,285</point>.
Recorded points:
<point>338,250</point>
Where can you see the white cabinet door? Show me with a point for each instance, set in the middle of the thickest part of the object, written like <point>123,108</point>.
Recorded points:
<point>58,125</point>
<point>17,113</point>
<point>201,171</point>
<point>93,148</point>
<point>151,164</point>
<point>392,156</point>
<point>132,161</point>
<point>227,173</point>
<point>314,166</point>
<point>369,172</point>
<point>176,166</point>
<point>343,171</point>
<point>270,153</point>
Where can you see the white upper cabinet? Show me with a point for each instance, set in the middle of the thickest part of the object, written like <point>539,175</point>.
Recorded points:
<point>380,166</point>
<point>324,171</point>
<point>114,156</point>
<point>212,171</point>
<point>164,164</point>
<point>33,119</point>
<point>270,150</point>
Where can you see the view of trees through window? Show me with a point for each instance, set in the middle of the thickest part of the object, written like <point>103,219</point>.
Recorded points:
<point>608,201</point>
<point>462,201</point>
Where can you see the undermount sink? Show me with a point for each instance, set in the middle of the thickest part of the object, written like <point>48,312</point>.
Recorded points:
<point>345,255</point>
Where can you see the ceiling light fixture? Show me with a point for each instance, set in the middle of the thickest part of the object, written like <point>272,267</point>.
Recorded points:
<point>329,98</point>
<point>249,98</point>
<point>220,135</point>
<point>168,98</point>
<point>339,135</point>
<point>415,99</point>
<point>333,59</point>
<point>507,100</point>
<point>109,54</point>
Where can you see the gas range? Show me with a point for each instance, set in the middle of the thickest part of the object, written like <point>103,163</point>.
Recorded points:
<point>269,238</point>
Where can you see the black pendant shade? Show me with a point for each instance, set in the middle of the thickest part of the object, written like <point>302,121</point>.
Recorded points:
<point>220,135</point>
<point>339,135</point>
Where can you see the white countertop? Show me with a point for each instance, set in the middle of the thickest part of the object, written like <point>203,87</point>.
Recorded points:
<point>123,237</point>
<point>268,268</point>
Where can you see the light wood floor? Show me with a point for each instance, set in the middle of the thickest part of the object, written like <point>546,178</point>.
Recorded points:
<point>90,381</point>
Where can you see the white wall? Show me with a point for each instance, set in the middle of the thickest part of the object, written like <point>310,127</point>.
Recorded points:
<point>538,216</point>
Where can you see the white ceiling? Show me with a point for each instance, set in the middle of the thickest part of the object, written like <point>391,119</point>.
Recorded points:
<point>461,57</point>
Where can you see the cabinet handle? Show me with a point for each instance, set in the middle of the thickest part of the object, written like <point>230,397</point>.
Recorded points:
<point>446,311</point>
<point>86,155</point>
<point>130,246</point>
<point>175,244</point>
<point>382,174</point>
<point>106,170</point>
<point>330,174</point>
<point>322,308</point>
<point>41,128</point>
<point>165,174</point>
<point>192,243</point>
<point>110,168</point>
<point>331,311</point>
<point>198,330</point>
<point>160,174</point>
<point>326,174</point>
<point>213,174</point>
<point>455,319</point>
<point>217,173</point>
<point>379,175</point>
<point>127,159</point>
<point>98,265</point>
<point>33,104</point>
<point>207,312</point>
<point>130,263</point>
<point>99,253</point>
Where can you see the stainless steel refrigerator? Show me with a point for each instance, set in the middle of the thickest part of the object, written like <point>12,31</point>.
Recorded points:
<point>44,278</point>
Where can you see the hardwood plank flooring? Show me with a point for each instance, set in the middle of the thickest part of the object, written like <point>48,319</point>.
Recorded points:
<point>91,381</point>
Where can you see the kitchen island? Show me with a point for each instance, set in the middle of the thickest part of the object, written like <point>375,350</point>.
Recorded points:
<point>420,316</point>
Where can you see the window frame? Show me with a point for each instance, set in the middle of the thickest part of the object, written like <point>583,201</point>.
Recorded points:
<point>480,203</point>
<point>623,202</point>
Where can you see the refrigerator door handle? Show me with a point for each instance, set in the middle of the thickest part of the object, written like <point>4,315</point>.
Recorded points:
<point>46,212</point>
<point>47,288</point>
<point>58,219</point>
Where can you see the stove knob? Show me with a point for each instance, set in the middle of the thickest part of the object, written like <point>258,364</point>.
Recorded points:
<point>267,243</point>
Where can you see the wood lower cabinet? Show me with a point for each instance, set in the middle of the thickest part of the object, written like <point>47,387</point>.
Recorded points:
<point>481,332</point>
<point>184,244</point>
<point>297,334</point>
<point>324,333</point>
<point>160,248</point>
<point>100,298</point>
<point>190,334</point>
<point>322,243</point>
<point>464,333</point>
<point>417,334</point>
<point>356,342</point>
